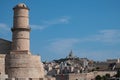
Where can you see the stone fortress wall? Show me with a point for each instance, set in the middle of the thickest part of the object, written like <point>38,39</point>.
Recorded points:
<point>20,63</point>
<point>27,79</point>
<point>24,65</point>
<point>5,46</point>
<point>16,60</point>
<point>83,76</point>
<point>2,66</point>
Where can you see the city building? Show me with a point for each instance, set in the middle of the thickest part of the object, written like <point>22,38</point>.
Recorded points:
<point>75,68</point>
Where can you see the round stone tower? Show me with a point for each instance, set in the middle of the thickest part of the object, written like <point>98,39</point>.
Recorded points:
<point>20,63</point>
<point>21,29</point>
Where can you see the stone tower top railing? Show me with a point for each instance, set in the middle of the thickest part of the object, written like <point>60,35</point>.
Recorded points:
<point>21,5</point>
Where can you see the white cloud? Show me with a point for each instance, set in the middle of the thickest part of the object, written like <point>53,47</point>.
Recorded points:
<point>110,34</point>
<point>50,23</point>
<point>4,28</point>
<point>61,45</point>
<point>103,37</point>
<point>106,36</point>
<point>64,20</point>
<point>98,49</point>
<point>37,27</point>
<point>98,55</point>
<point>61,20</point>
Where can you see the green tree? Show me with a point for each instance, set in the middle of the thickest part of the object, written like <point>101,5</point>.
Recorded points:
<point>98,77</point>
<point>107,75</point>
<point>103,78</point>
<point>118,73</point>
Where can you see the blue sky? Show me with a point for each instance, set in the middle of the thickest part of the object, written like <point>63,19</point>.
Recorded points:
<point>91,28</point>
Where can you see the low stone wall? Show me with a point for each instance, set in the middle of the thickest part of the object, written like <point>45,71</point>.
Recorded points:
<point>27,78</point>
<point>102,73</point>
<point>83,76</point>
